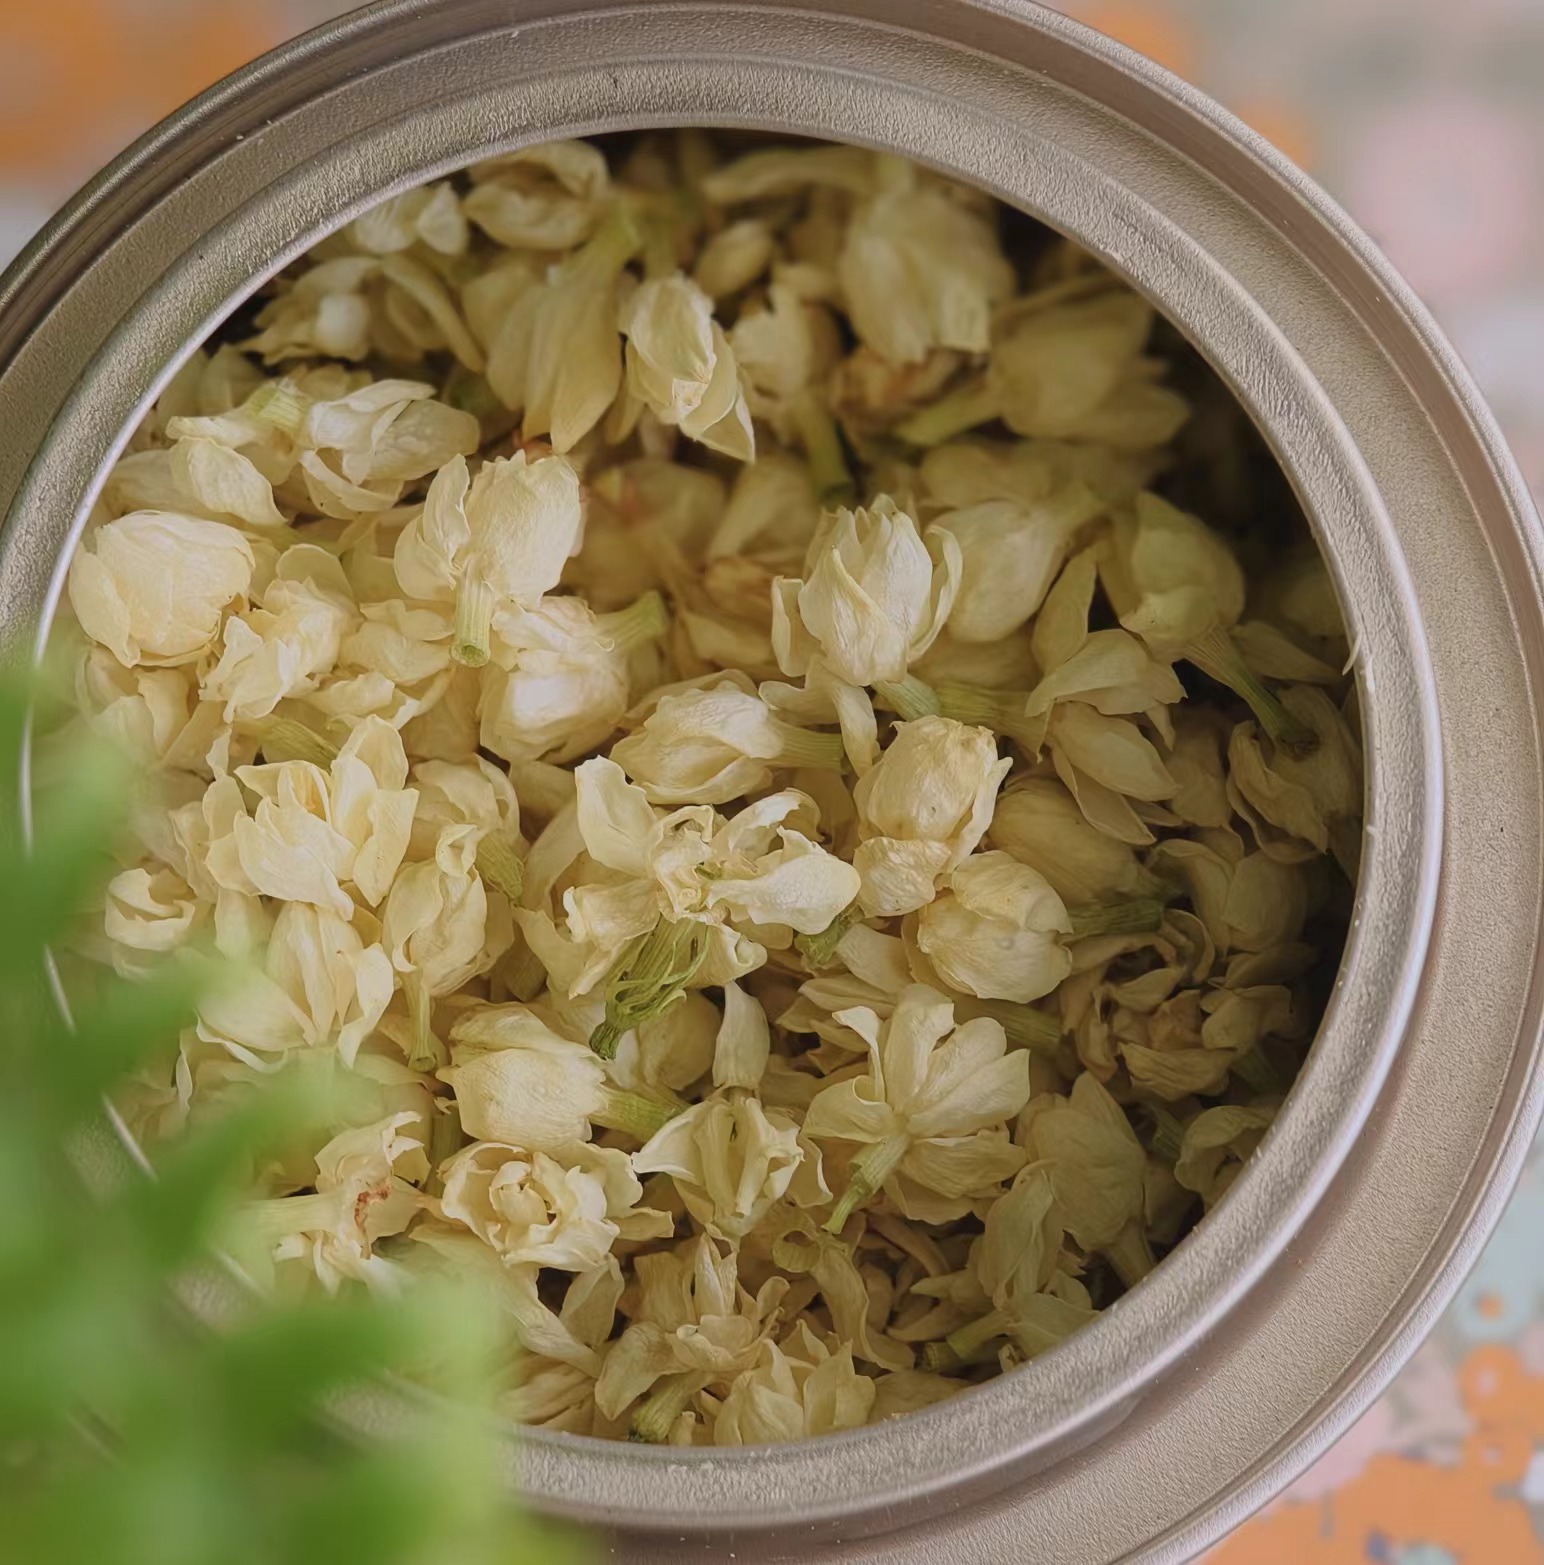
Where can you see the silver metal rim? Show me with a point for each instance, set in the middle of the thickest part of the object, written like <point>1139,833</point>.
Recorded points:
<point>1011,99</point>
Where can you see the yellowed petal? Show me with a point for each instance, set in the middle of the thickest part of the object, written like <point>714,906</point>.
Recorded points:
<point>994,932</point>
<point>518,1083</point>
<point>225,484</point>
<point>152,587</point>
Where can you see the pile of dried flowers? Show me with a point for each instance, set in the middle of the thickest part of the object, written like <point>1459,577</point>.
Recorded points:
<point>676,680</point>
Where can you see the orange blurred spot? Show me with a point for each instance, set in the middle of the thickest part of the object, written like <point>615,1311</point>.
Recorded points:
<point>1471,1509</point>
<point>1501,1455</point>
<point>1282,126</point>
<point>1454,1508</point>
<point>1499,1392</point>
<point>75,69</point>
<point>206,43</point>
<point>1289,1535</point>
<point>58,63</point>
<point>1149,29</point>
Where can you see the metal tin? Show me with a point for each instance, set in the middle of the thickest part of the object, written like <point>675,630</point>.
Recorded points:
<point>1253,1346</point>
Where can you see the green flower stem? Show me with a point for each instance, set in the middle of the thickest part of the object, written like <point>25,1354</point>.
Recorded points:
<point>940,1358</point>
<point>280,403</point>
<point>973,704</point>
<point>1130,1255</point>
<point>951,415</point>
<point>653,977</point>
<point>544,790</point>
<point>1134,916</point>
<point>634,1113</point>
<point>817,752</point>
<point>446,1137</point>
<point>1346,845</point>
<point>823,449</point>
<point>522,972</point>
<point>1168,1133</point>
<point>1000,710</point>
<point>606,1038</point>
<point>967,1340</point>
<point>819,951</point>
<point>1024,1025</point>
<point>475,602</point>
<point>1215,655</point>
<point>636,625</point>
<point>613,244</point>
<point>284,739</point>
<point>425,1053</point>
<point>659,248</point>
<point>909,698</point>
<point>499,863</point>
<point>866,1175</point>
<point>281,1216</point>
<point>1079,286</point>
<point>472,394</point>
<point>796,1252</point>
<point>657,1414</point>
<point>1143,883</point>
<point>667,223</point>
<point>1255,1070</point>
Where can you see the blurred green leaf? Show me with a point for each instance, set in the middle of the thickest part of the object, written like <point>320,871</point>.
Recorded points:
<point>279,1370</point>
<point>129,1433</point>
<point>114,1032</point>
<point>75,826</point>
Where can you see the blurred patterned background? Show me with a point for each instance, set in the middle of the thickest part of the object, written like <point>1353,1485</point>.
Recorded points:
<point>1426,119</point>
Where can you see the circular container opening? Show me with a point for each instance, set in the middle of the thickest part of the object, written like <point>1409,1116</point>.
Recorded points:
<point>1110,576</point>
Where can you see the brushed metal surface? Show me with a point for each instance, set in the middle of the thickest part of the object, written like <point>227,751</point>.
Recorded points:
<point>1226,1371</point>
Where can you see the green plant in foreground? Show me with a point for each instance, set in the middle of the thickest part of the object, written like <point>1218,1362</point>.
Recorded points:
<point>129,1435</point>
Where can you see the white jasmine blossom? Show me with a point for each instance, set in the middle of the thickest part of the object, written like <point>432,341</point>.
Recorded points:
<point>561,677</point>
<point>920,269</point>
<point>680,365</point>
<point>875,598</point>
<point>498,540</point>
<point>713,744</point>
<point>995,932</point>
<point>730,1159</point>
<point>929,1087</point>
<point>563,1208</point>
<point>358,1200</point>
<point>153,587</point>
<point>922,809</point>
<point>557,356</point>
